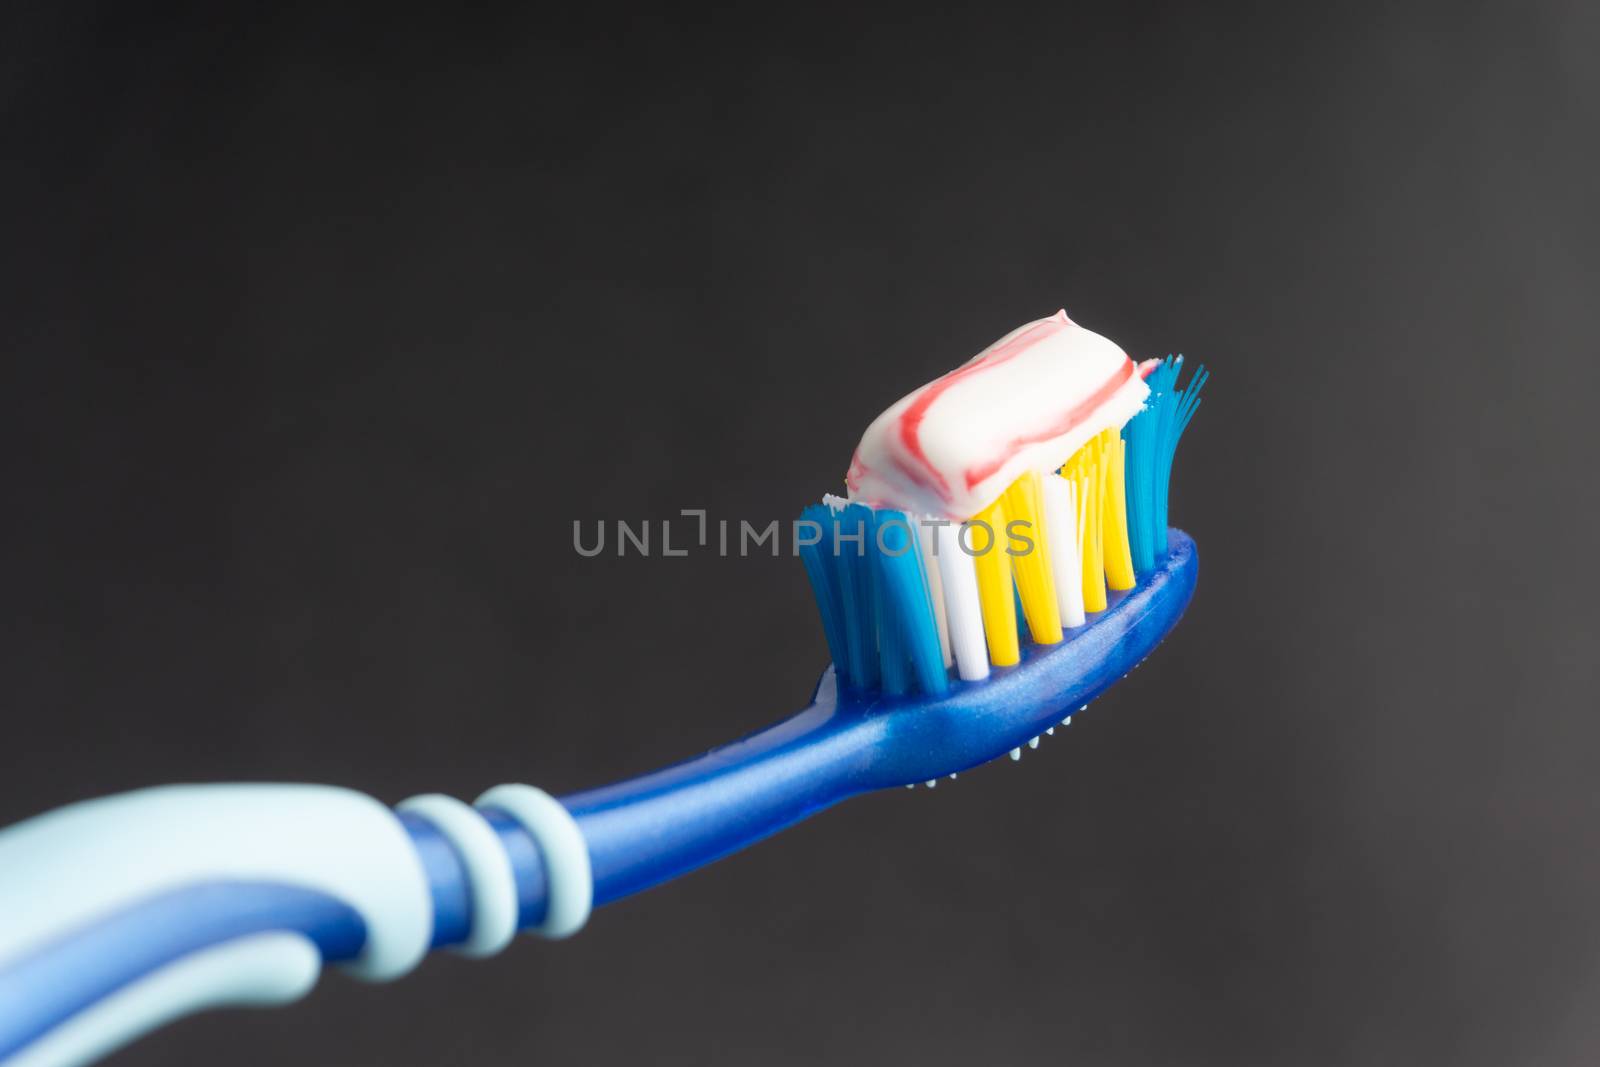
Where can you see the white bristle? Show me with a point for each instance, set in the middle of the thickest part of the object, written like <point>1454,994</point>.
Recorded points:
<point>962,611</point>
<point>1066,550</point>
<point>930,567</point>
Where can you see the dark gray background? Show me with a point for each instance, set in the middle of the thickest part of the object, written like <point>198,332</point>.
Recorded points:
<point>319,330</point>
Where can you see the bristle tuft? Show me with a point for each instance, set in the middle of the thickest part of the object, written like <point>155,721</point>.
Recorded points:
<point>994,584</point>
<point>1152,440</point>
<point>907,627</point>
<point>1036,587</point>
<point>1114,528</point>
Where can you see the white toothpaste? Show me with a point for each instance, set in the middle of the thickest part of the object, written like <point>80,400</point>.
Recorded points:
<point>1027,402</point>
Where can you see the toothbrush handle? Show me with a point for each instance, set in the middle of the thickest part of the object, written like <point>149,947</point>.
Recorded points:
<point>120,914</point>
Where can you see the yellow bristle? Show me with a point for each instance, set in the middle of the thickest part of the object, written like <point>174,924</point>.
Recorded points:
<point>1091,489</point>
<point>1035,583</point>
<point>1118,553</point>
<point>994,587</point>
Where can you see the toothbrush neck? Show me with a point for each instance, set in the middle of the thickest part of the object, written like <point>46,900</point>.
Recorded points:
<point>646,830</point>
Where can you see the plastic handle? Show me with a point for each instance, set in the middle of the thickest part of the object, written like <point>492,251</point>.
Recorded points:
<point>257,971</point>
<point>120,914</point>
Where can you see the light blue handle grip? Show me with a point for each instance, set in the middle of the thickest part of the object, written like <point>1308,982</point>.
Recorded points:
<point>255,971</point>
<point>84,884</point>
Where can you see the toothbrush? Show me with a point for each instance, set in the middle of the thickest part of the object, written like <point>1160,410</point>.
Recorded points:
<point>121,914</point>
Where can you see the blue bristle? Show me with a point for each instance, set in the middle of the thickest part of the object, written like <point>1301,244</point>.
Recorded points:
<point>1186,403</point>
<point>894,671</point>
<point>907,630</point>
<point>852,534</point>
<point>877,613</point>
<point>927,654</point>
<point>822,569</point>
<point>1152,437</point>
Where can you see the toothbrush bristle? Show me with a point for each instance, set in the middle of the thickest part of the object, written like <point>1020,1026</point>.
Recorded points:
<point>904,600</point>
<point>995,593</point>
<point>1152,439</point>
<point>873,593</point>
<point>1036,587</point>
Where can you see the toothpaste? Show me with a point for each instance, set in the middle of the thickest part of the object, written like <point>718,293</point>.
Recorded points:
<point>1027,402</point>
